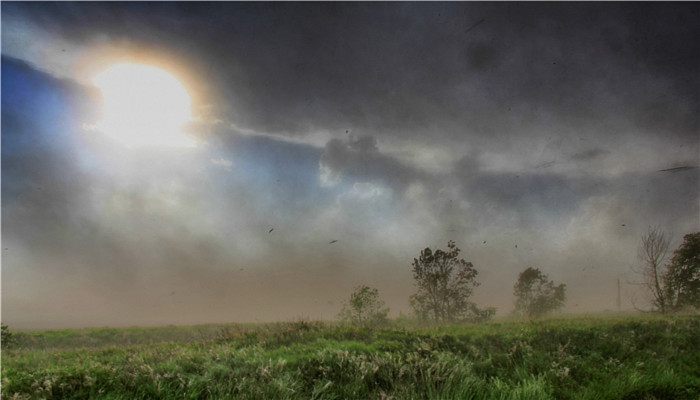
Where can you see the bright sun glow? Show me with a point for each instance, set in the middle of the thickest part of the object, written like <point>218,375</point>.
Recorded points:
<point>144,106</point>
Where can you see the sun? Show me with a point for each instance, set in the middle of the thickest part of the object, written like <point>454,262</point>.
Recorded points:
<point>144,106</point>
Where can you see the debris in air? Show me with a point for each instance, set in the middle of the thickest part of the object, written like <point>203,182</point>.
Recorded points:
<point>678,169</point>
<point>474,25</point>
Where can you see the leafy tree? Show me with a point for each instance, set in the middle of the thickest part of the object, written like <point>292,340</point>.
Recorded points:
<point>536,295</point>
<point>445,283</point>
<point>364,308</point>
<point>682,277</point>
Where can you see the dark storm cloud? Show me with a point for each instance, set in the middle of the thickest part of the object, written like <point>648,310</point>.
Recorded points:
<point>386,126</point>
<point>358,159</point>
<point>532,196</point>
<point>417,69</point>
<point>590,154</point>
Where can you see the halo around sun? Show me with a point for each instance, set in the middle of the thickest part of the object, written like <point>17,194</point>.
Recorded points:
<point>144,106</point>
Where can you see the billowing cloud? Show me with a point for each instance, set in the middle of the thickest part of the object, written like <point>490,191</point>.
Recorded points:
<point>532,134</point>
<point>358,159</point>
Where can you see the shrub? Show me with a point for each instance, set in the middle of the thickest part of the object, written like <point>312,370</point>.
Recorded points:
<point>364,308</point>
<point>6,337</point>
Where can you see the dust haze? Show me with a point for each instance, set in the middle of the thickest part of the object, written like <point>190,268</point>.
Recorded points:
<point>544,135</point>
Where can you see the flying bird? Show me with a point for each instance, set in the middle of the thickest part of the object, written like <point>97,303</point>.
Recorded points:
<point>332,241</point>
<point>271,229</point>
<point>484,242</point>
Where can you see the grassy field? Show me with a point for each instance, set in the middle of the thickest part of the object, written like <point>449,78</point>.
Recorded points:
<point>642,357</point>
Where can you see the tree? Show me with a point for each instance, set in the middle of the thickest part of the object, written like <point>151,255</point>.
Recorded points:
<point>682,277</point>
<point>6,337</point>
<point>445,283</point>
<point>364,308</point>
<point>652,252</point>
<point>536,295</point>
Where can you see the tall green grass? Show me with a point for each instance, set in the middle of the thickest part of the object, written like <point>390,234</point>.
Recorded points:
<point>618,357</point>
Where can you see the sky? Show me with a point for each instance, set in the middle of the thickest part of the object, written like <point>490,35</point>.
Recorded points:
<point>531,134</point>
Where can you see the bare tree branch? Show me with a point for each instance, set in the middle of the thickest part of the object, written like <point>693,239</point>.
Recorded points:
<point>652,253</point>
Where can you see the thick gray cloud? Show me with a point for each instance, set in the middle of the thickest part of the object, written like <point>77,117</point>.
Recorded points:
<point>590,154</point>
<point>414,69</point>
<point>358,159</point>
<point>532,134</point>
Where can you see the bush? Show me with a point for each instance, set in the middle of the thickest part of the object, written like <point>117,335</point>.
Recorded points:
<point>364,308</point>
<point>6,338</point>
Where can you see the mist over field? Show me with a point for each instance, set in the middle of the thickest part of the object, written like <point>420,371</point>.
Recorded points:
<point>533,135</point>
